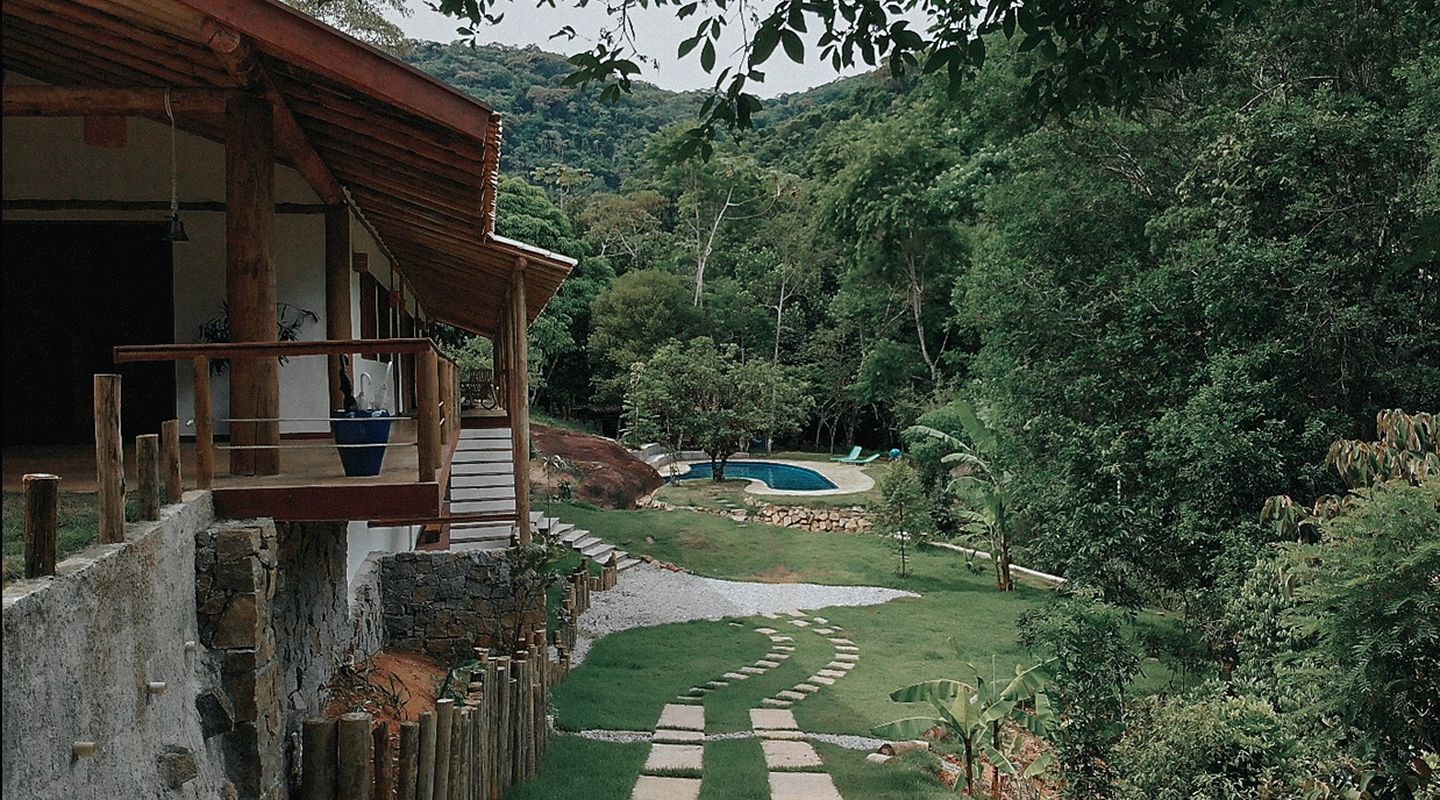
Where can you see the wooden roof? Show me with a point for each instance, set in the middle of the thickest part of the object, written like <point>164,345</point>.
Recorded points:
<point>416,158</point>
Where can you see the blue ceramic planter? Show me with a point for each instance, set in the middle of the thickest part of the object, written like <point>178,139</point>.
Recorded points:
<point>365,428</point>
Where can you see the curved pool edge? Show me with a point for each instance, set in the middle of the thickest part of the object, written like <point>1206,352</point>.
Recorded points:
<point>848,478</point>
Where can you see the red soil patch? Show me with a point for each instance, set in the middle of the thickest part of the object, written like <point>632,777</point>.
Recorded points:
<point>393,685</point>
<point>609,477</point>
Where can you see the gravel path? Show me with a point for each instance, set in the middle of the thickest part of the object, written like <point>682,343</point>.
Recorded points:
<point>647,595</point>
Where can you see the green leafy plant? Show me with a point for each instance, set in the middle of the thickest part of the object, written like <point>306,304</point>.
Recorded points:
<point>975,713</point>
<point>902,513</point>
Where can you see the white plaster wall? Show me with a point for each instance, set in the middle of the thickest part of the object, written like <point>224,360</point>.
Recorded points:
<point>363,541</point>
<point>47,159</point>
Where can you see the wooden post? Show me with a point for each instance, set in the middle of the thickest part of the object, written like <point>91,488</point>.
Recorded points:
<point>384,786</point>
<point>204,426</point>
<point>520,400</point>
<point>147,465</point>
<point>109,459</point>
<point>353,775</point>
<point>457,752</point>
<point>425,771</point>
<point>502,725</point>
<point>42,521</point>
<point>317,781</point>
<point>250,280</point>
<point>462,735</point>
<point>444,733</point>
<point>170,459</point>
<point>427,430</point>
<point>337,294</point>
<point>409,760</point>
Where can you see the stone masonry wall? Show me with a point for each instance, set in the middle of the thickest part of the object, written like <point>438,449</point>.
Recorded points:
<point>445,604</point>
<point>81,650</point>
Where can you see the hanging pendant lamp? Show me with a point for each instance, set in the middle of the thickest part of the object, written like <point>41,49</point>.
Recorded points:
<point>175,230</point>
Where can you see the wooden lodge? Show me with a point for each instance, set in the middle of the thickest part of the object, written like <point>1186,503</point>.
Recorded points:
<point>326,192</point>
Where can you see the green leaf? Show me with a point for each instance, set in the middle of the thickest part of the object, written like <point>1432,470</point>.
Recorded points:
<point>941,690</point>
<point>794,48</point>
<point>1038,766</point>
<point>688,45</point>
<point>905,729</point>
<point>765,41</point>
<point>707,56</point>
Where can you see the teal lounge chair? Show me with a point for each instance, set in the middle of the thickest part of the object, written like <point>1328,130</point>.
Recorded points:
<point>863,461</point>
<point>854,454</point>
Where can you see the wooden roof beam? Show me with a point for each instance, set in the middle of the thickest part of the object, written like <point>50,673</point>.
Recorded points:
<point>78,101</point>
<point>244,66</point>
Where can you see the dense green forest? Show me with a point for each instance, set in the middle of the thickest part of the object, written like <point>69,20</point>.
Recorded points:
<point>1166,318</point>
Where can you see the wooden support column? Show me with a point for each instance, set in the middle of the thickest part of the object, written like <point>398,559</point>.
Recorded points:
<point>427,415</point>
<point>204,425</point>
<point>337,294</point>
<point>109,459</point>
<point>519,403</point>
<point>250,281</point>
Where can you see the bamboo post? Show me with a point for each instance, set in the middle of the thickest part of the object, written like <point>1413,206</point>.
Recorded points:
<point>354,742</point>
<point>204,425</point>
<point>42,522</point>
<point>384,787</point>
<point>444,725</point>
<point>109,459</point>
<point>147,464</point>
<point>427,410</point>
<point>317,779</point>
<point>425,768</point>
<point>170,459</point>
<point>408,761</point>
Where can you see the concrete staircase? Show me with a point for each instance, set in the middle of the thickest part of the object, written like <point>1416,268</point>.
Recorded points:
<point>482,481</point>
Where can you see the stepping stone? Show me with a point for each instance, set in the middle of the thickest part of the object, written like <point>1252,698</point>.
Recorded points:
<point>773,703</point>
<point>793,697</point>
<point>685,698</point>
<point>752,670</point>
<point>799,623</point>
<point>821,620</point>
<point>794,613</point>
<point>716,684</point>
<point>766,631</point>
<point>824,631</point>
<point>793,736</point>
<point>677,737</point>
<point>763,720</point>
<point>841,641</point>
<point>668,757</point>
<point>697,691</point>
<point>782,639</point>
<point>776,656</point>
<point>784,648</point>
<point>799,786</point>
<point>770,615</point>
<point>685,718</point>
<point>847,648</point>
<point>851,657</point>
<point>806,688</point>
<point>651,787</point>
<point>736,676</point>
<point>781,754</point>
<point>845,665</point>
<point>823,679</point>
<point>767,664</point>
<point>734,624</point>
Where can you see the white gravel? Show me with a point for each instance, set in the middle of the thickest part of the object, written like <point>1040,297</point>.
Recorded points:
<point>647,595</point>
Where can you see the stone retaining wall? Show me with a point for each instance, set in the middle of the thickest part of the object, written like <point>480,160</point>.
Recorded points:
<point>848,519</point>
<point>446,604</point>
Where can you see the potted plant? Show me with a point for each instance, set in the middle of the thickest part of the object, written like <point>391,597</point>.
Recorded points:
<point>361,434</point>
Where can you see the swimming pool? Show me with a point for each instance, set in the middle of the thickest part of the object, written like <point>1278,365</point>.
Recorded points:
<point>785,477</point>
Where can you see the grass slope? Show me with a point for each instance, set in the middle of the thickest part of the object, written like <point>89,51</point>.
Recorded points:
<point>79,528</point>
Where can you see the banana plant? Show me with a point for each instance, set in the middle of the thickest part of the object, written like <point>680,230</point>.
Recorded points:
<point>974,713</point>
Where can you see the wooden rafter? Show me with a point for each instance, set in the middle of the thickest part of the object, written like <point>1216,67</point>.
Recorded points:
<point>73,101</point>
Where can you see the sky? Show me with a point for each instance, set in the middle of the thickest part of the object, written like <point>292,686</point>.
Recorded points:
<point>658,34</point>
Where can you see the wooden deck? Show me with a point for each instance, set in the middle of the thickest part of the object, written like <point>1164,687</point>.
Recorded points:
<point>312,485</point>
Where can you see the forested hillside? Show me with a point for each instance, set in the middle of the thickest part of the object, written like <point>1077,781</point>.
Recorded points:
<point>1165,317</point>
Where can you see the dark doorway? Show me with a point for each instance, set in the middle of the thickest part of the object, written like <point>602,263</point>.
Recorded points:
<point>73,291</point>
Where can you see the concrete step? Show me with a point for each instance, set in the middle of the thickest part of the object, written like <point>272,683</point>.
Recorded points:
<point>484,506</point>
<point>626,562</point>
<point>467,493</point>
<point>598,553</point>
<point>479,546</point>
<point>560,529</point>
<point>588,541</point>
<point>574,535</point>
<point>467,434</point>
<point>482,457</point>
<point>482,468</point>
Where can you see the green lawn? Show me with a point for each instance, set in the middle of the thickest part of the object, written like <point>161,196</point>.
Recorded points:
<point>79,527</point>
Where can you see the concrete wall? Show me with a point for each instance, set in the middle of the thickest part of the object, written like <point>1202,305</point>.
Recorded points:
<point>366,543</point>
<point>47,159</point>
<point>79,650</point>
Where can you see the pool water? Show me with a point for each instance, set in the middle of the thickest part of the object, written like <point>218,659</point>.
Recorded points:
<point>785,477</point>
